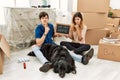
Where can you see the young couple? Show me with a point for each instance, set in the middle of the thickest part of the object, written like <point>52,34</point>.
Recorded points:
<point>44,33</point>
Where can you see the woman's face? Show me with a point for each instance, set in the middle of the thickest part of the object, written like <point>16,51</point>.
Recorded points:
<point>44,20</point>
<point>77,20</point>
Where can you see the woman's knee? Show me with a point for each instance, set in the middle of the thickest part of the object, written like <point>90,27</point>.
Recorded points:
<point>63,43</point>
<point>88,46</point>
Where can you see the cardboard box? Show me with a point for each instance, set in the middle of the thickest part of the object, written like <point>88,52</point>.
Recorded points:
<point>93,5</point>
<point>109,51</point>
<point>116,12</point>
<point>112,27</point>
<point>95,20</point>
<point>94,35</point>
<point>115,34</point>
<point>114,21</point>
<point>4,50</point>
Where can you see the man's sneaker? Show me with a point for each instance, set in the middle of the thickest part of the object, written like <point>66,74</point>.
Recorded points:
<point>32,42</point>
<point>46,67</point>
<point>88,56</point>
<point>31,54</point>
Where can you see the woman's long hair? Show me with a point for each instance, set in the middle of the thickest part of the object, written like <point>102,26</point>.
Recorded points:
<point>78,14</point>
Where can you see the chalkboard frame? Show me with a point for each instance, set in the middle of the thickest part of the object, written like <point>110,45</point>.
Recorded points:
<point>62,28</point>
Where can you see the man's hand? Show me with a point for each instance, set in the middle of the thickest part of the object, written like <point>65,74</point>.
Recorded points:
<point>46,28</point>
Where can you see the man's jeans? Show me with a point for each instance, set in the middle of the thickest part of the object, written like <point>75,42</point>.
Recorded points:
<point>39,55</point>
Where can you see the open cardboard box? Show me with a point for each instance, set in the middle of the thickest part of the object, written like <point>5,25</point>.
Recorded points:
<point>109,51</point>
<point>4,50</point>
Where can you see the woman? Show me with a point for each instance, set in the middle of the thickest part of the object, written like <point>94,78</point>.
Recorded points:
<point>77,34</point>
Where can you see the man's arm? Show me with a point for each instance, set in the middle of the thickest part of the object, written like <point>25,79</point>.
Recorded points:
<point>40,41</point>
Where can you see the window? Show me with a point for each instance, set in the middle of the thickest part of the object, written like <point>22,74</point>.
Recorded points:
<point>59,4</point>
<point>55,4</point>
<point>5,3</point>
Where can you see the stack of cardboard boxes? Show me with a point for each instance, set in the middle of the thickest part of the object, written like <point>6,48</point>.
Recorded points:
<point>110,51</point>
<point>95,17</point>
<point>113,24</point>
<point>95,14</point>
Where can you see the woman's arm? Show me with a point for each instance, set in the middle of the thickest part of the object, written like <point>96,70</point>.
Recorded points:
<point>79,32</point>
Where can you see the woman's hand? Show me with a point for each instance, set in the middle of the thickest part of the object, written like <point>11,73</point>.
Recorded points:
<point>79,32</point>
<point>58,35</point>
<point>76,26</point>
<point>66,35</point>
<point>80,39</point>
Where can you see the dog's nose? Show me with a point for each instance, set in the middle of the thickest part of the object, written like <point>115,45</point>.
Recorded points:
<point>62,75</point>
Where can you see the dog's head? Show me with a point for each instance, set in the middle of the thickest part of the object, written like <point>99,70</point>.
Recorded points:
<point>61,67</point>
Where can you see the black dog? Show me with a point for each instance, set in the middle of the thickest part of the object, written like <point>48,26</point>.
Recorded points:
<point>61,60</point>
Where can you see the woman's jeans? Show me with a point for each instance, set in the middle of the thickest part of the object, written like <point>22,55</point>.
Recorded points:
<point>76,47</point>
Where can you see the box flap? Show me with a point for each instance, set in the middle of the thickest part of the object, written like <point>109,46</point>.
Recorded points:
<point>4,46</point>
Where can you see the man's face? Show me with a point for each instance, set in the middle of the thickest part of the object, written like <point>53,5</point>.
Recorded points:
<point>44,20</point>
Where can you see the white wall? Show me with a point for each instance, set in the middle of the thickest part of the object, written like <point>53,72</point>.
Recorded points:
<point>39,2</point>
<point>115,4</point>
<point>35,2</point>
<point>74,5</point>
<point>70,5</point>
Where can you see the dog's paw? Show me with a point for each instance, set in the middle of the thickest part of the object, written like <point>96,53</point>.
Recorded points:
<point>74,72</point>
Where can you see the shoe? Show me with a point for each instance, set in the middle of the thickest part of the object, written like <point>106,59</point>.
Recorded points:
<point>32,42</point>
<point>31,54</point>
<point>88,56</point>
<point>46,67</point>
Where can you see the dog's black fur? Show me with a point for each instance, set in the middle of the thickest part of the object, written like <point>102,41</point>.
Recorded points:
<point>60,58</point>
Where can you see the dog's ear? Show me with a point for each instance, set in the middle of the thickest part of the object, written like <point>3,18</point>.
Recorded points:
<point>55,67</point>
<point>72,67</point>
<point>54,57</point>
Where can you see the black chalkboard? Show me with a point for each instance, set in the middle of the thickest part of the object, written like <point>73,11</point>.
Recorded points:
<point>62,28</point>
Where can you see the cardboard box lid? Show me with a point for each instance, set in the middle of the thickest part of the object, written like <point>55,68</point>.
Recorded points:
<point>102,42</point>
<point>4,46</point>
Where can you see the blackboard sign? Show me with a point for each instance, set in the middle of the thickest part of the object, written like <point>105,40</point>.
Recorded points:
<point>62,28</point>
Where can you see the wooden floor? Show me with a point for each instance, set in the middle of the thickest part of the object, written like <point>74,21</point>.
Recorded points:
<point>97,69</point>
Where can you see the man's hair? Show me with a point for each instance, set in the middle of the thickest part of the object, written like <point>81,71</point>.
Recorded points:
<point>43,14</point>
